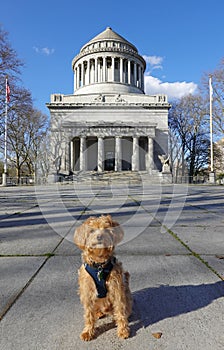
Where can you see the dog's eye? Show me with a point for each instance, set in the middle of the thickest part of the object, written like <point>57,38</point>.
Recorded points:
<point>91,230</point>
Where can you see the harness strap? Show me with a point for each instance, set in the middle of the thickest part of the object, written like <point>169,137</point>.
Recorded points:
<point>99,275</point>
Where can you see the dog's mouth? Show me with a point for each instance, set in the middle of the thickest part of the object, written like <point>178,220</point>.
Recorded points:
<point>100,245</point>
<point>99,255</point>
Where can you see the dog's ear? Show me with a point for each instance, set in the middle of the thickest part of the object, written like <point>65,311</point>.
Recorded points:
<point>117,232</point>
<point>80,236</point>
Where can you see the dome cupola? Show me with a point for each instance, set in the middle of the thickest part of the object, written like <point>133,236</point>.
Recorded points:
<point>108,63</point>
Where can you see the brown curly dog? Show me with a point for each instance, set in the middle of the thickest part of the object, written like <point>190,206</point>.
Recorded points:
<point>103,284</point>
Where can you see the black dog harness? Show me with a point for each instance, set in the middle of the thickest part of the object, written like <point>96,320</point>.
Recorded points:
<point>99,273</point>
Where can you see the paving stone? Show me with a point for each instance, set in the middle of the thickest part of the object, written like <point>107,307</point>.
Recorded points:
<point>174,292</point>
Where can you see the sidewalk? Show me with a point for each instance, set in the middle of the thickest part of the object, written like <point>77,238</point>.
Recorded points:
<point>173,249</point>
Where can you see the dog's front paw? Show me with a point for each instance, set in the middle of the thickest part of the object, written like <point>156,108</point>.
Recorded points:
<point>123,332</point>
<point>87,335</point>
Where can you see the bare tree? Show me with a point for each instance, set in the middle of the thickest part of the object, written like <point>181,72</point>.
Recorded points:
<point>42,169</point>
<point>218,96</point>
<point>34,137</point>
<point>10,66</point>
<point>58,142</point>
<point>17,125</point>
<point>26,126</point>
<point>51,151</point>
<point>188,123</point>
<point>26,130</point>
<point>179,126</point>
<point>175,152</point>
<point>219,157</point>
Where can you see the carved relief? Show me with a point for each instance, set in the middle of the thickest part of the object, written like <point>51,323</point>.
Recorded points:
<point>119,98</point>
<point>161,98</point>
<point>113,131</point>
<point>99,98</point>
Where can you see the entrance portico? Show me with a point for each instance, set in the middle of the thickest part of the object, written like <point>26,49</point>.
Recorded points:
<point>105,148</point>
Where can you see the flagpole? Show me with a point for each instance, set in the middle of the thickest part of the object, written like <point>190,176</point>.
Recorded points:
<point>4,175</point>
<point>211,126</point>
<point>212,175</point>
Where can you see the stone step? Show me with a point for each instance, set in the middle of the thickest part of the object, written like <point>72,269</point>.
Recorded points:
<point>129,177</point>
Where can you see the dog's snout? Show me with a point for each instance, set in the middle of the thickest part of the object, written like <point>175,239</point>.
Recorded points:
<point>99,237</point>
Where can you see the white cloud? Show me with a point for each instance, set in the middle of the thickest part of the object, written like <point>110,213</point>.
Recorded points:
<point>47,51</point>
<point>43,50</point>
<point>36,49</point>
<point>172,90</point>
<point>153,61</point>
<point>154,85</point>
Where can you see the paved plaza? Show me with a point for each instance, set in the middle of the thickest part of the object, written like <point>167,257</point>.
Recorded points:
<point>173,248</point>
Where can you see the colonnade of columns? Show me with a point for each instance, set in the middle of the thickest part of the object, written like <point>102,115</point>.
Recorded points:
<point>134,155</point>
<point>108,69</point>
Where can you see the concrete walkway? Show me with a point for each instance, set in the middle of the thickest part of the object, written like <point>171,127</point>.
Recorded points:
<point>173,249</point>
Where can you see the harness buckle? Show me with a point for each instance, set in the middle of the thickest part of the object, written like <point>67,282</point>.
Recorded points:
<point>100,274</point>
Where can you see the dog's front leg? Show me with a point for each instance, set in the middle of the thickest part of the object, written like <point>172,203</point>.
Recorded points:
<point>87,298</point>
<point>120,314</point>
<point>89,317</point>
<point>123,330</point>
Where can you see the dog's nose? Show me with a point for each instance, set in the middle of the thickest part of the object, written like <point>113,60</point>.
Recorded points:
<point>99,238</point>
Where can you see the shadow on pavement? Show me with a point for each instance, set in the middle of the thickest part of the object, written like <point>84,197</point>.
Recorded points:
<point>152,305</point>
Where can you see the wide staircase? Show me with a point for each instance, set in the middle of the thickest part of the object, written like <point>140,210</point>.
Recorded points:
<point>110,177</point>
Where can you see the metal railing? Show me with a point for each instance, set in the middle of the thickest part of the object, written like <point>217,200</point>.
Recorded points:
<point>21,181</point>
<point>96,177</point>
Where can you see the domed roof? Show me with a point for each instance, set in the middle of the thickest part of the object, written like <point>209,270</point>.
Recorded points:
<point>107,35</point>
<point>108,63</point>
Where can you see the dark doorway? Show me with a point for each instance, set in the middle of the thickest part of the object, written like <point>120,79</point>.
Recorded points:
<point>109,164</point>
<point>109,154</point>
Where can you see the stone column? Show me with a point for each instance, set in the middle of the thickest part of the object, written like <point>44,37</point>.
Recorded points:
<point>149,155</point>
<point>96,68</point>
<point>118,154</point>
<point>100,158</point>
<point>121,70</point>
<point>112,67</point>
<point>72,155</point>
<point>129,72</point>
<point>80,76</point>
<point>140,76</point>
<point>87,73</point>
<point>75,79</point>
<point>104,69</point>
<point>135,74</point>
<point>135,155</point>
<point>83,75</point>
<point>82,153</point>
<point>66,159</point>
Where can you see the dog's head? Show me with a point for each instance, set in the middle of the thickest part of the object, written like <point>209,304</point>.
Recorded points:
<point>98,236</point>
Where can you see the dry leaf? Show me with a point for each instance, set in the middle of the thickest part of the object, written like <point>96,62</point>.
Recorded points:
<point>221,257</point>
<point>157,335</point>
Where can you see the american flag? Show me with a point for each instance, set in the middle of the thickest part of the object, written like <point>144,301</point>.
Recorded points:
<point>7,92</point>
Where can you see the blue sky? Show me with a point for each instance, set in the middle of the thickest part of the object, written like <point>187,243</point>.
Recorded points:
<point>180,40</point>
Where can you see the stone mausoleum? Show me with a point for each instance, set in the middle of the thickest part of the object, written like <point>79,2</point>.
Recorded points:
<point>108,123</point>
